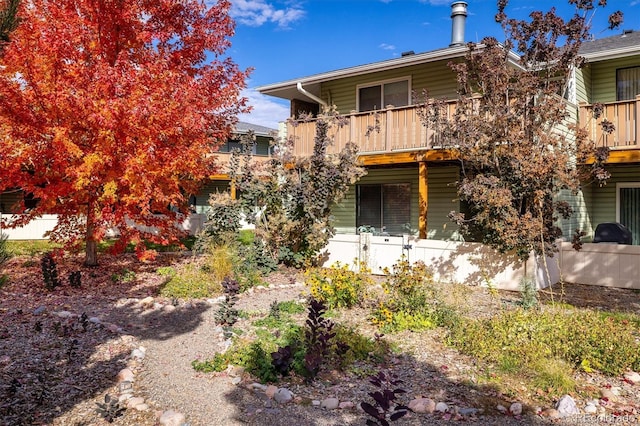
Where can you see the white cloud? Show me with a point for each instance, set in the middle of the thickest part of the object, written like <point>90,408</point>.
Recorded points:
<point>267,111</point>
<point>258,12</point>
<point>385,46</point>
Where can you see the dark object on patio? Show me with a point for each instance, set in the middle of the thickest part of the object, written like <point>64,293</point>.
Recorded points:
<point>612,232</point>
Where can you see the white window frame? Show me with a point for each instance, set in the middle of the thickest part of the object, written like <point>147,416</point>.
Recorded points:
<point>381,83</point>
<point>620,185</point>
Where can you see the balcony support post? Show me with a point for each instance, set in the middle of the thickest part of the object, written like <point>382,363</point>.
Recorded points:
<point>423,192</point>
<point>636,118</point>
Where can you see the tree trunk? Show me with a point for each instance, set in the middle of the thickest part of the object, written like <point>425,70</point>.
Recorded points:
<point>91,253</point>
<point>91,247</point>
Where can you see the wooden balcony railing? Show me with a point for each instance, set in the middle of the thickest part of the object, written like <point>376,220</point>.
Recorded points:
<point>391,129</point>
<point>624,115</point>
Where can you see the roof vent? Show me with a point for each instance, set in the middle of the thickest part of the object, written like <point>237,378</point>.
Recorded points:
<point>408,53</point>
<point>458,16</point>
<point>626,32</point>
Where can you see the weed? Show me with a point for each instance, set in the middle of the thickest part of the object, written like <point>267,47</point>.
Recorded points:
<point>4,251</point>
<point>124,276</point>
<point>553,376</point>
<point>110,409</point>
<point>528,293</point>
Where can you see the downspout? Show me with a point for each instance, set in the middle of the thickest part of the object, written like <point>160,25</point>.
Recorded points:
<point>310,95</point>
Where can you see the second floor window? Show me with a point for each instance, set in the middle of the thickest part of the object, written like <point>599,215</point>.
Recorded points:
<point>628,83</point>
<point>377,96</point>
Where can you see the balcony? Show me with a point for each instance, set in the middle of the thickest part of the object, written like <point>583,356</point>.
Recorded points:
<point>623,115</point>
<point>400,129</point>
<point>384,131</point>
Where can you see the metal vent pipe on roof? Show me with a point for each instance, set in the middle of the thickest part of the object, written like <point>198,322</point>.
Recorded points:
<point>458,17</point>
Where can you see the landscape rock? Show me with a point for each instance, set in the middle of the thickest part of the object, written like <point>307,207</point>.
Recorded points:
<point>125,375</point>
<point>501,408</point>
<point>590,409</point>
<point>468,411</point>
<point>168,308</point>
<point>516,409</point>
<point>422,405</point>
<point>345,405</point>
<point>39,310</point>
<point>141,407</point>
<point>138,353</point>
<point>270,391</point>
<point>132,402</point>
<point>330,403</point>
<point>64,314</point>
<point>172,418</point>
<point>146,303</point>
<point>315,403</point>
<point>551,413</point>
<point>632,377</point>
<point>283,395</point>
<point>567,407</point>
<point>441,407</point>
<point>236,380</point>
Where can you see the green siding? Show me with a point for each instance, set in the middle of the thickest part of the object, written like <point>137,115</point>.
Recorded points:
<point>603,203</point>
<point>436,77</point>
<point>212,187</point>
<point>603,78</point>
<point>583,84</point>
<point>580,219</point>
<point>442,199</point>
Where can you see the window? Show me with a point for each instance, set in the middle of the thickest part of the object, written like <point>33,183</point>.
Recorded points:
<point>377,96</point>
<point>384,207</point>
<point>628,203</point>
<point>261,147</point>
<point>628,83</point>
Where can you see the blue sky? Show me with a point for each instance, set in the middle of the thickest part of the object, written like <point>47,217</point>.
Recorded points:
<point>283,40</point>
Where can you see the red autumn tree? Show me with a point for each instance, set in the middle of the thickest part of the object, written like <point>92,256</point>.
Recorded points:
<point>109,112</point>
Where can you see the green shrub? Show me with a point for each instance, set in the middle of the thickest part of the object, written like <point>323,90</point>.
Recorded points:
<point>337,286</point>
<point>191,282</point>
<point>281,346</point>
<point>412,301</point>
<point>290,307</point>
<point>166,271</point>
<point>581,338</point>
